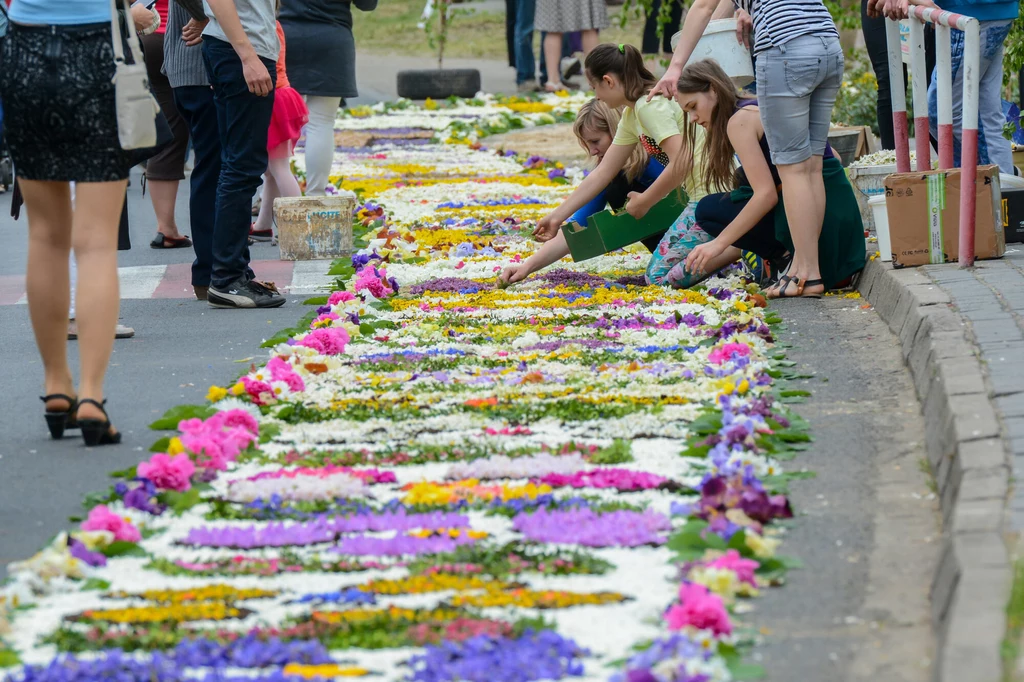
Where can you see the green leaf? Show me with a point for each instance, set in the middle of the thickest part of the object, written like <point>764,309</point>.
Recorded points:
<point>794,393</point>
<point>161,445</point>
<point>171,418</point>
<point>95,584</point>
<point>180,502</point>
<point>127,474</point>
<point>268,431</point>
<point>316,300</point>
<point>122,548</point>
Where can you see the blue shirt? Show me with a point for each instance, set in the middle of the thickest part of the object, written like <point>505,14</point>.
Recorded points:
<point>983,10</point>
<point>646,179</point>
<point>60,12</point>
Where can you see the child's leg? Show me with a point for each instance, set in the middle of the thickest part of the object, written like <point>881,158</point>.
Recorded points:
<point>265,220</point>
<point>665,267</point>
<point>281,170</point>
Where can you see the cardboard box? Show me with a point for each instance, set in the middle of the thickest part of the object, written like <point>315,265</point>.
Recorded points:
<point>924,216</point>
<point>1013,214</point>
<point>609,230</point>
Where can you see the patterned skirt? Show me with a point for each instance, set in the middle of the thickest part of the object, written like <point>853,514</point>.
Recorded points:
<point>59,113</point>
<point>567,16</point>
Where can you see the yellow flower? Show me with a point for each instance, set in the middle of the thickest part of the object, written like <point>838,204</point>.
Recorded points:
<point>219,593</point>
<point>238,389</point>
<point>763,548</point>
<point>741,306</point>
<point>216,393</point>
<point>161,614</point>
<point>175,447</point>
<point>326,671</point>
<point>743,387</point>
<point>537,599</point>
<point>429,104</point>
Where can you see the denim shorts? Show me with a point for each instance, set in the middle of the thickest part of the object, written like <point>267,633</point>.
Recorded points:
<point>797,85</point>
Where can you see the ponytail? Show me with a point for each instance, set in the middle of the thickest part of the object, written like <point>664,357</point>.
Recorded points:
<point>624,62</point>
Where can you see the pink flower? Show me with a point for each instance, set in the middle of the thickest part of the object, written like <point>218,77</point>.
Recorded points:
<point>236,417</point>
<point>373,280</point>
<point>326,341</point>
<point>283,371</point>
<point>168,473</point>
<point>101,518</point>
<point>700,608</point>
<point>257,389</point>
<point>743,568</point>
<point>727,352</point>
<point>340,297</point>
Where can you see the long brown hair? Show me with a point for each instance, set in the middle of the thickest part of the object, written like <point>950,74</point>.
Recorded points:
<point>597,116</point>
<point>625,63</point>
<point>707,76</point>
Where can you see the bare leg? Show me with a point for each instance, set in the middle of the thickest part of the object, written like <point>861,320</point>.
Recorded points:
<point>164,194</point>
<point>94,235</point>
<point>265,221</point>
<point>590,40</point>
<point>803,189</point>
<point>47,284</point>
<point>287,185</point>
<point>553,56</point>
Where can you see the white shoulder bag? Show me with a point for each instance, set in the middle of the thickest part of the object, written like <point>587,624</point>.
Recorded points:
<point>136,106</point>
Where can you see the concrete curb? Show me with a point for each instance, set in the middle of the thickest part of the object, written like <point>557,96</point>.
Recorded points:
<point>969,462</point>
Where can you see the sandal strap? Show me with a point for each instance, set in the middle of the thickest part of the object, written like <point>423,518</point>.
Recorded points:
<point>98,405</point>
<point>58,396</point>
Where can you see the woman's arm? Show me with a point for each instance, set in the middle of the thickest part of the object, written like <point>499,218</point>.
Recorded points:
<point>697,19</point>
<point>670,179</point>
<point>614,160</point>
<point>552,251</point>
<point>744,133</point>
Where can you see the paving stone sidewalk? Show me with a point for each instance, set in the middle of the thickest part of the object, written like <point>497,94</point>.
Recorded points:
<point>991,298</point>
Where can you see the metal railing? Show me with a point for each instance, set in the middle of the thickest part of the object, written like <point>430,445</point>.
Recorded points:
<point>942,21</point>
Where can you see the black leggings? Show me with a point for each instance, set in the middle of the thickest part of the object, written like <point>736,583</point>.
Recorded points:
<point>716,211</point>
<point>874,38</point>
<point>650,39</point>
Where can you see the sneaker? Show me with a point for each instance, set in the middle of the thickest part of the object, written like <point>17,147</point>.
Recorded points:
<point>261,235</point>
<point>755,267</point>
<point>527,86</point>
<point>245,293</point>
<point>570,67</point>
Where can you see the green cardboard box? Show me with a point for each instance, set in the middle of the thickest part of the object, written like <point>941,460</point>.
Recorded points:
<point>610,230</point>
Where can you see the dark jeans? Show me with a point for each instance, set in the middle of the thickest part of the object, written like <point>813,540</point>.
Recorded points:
<point>874,38</point>
<point>616,195</point>
<point>196,106</point>
<point>242,121</point>
<point>716,211</point>
<point>650,40</point>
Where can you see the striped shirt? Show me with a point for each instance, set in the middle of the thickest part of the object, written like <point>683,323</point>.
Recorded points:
<point>776,22</point>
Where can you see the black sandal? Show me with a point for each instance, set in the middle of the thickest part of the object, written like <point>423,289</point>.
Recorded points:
<point>785,281</point>
<point>59,420</point>
<point>98,431</point>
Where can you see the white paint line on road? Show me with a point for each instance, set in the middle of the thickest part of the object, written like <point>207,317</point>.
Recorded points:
<point>310,277</point>
<point>140,281</point>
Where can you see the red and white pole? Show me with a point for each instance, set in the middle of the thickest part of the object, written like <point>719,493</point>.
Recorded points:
<point>898,93</point>
<point>943,61</point>
<point>919,88</point>
<point>969,141</point>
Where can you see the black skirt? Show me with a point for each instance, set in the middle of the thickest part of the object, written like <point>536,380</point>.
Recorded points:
<point>60,119</point>
<point>321,59</point>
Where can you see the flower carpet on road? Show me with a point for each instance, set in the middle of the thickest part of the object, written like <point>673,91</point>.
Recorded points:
<point>432,477</point>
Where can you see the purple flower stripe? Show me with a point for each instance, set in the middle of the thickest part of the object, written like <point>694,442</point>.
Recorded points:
<point>585,527</point>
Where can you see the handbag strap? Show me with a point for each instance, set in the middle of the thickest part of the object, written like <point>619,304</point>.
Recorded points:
<point>134,47</point>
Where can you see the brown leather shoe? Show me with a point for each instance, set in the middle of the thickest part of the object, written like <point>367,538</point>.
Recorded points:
<point>201,292</point>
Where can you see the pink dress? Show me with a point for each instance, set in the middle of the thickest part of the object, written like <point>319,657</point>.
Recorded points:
<point>290,112</point>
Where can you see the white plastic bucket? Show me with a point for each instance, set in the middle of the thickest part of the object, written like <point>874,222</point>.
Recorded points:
<point>877,204</point>
<point>868,182</point>
<point>719,43</point>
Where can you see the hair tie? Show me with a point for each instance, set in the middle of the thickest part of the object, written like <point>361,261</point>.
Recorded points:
<point>622,48</point>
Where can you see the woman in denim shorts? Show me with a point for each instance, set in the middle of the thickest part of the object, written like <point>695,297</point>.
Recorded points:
<point>799,70</point>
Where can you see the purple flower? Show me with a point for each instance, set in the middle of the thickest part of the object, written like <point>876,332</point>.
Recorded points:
<point>78,550</point>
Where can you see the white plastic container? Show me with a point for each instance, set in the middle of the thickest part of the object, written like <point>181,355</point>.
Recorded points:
<point>877,204</point>
<point>719,43</point>
<point>868,182</point>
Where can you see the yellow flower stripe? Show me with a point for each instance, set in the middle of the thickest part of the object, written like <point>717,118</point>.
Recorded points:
<point>428,492</point>
<point>537,599</point>
<point>325,671</point>
<point>161,614</point>
<point>421,584</point>
<point>392,613</point>
<point>219,592</point>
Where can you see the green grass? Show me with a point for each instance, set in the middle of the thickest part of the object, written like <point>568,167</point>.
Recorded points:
<point>391,29</point>
<point>1014,623</point>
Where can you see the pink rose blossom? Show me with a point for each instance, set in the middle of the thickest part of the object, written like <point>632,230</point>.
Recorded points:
<point>727,351</point>
<point>373,280</point>
<point>743,568</point>
<point>168,473</point>
<point>340,297</point>
<point>233,418</point>
<point>326,341</point>
<point>700,608</point>
<point>101,518</point>
<point>257,389</point>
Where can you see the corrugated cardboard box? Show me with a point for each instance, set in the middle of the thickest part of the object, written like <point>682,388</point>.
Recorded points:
<point>924,216</point>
